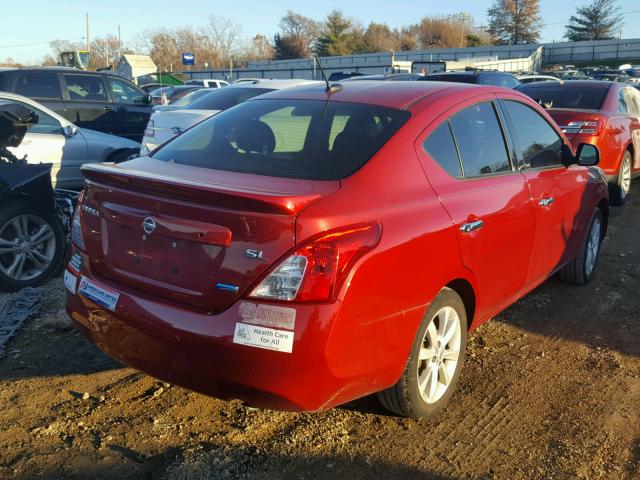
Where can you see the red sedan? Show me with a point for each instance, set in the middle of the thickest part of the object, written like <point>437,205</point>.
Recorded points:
<point>312,246</point>
<point>605,114</point>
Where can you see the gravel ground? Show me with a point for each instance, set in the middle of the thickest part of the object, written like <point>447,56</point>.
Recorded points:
<point>551,389</point>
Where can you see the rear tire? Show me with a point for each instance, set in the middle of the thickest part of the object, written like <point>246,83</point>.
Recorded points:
<point>32,246</point>
<point>581,270</point>
<point>435,361</point>
<point>619,191</point>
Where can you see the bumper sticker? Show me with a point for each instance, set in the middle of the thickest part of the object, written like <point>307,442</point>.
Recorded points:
<point>70,281</point>
<point>97,294</point>
<point>268,315</point>
<point>75,263</point>
<point>262,337</point>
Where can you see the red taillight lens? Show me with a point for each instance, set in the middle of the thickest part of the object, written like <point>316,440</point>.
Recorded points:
<point>315,271</point>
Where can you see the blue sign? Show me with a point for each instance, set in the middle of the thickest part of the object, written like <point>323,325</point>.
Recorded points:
<point>188,58</point>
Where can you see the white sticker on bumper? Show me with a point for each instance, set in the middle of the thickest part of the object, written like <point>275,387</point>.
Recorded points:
<point>268,315</point>
<point>262,337</point>
<point>97,294</point>
<point>70,281</point>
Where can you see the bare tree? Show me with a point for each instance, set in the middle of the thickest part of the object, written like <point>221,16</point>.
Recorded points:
<point>105,51</point>
<point>380,38</point>
<point>225,36</point>
<point>297,37</point>
<point>258,49</point>
<point>513,22</point>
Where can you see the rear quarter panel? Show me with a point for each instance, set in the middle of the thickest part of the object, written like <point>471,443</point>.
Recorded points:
<point>389,290</point>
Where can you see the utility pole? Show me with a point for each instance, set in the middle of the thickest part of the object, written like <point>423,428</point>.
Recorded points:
<point>119,45</point>
<point>88,39</point>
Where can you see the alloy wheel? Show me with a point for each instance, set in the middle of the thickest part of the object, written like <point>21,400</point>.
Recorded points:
<point>27,247</point>
<point>593,246</point>
<point>625,177</point>
<point>439,354</point>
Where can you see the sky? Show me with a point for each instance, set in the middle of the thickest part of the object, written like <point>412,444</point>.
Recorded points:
<point>29,26</point>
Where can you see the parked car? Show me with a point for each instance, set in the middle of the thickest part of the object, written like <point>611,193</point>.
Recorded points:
<point>165,125</point>
<point>309,247</point>
<point>32,239</point>
<point>534,77</point>
<point>601,113</point>
<point>480,77</point>
<point>55,140</point>
<point>98,101</point>
<point>172,93</point>
<point>337,76</point>
<point>388,77</point>
<point>207,83</point>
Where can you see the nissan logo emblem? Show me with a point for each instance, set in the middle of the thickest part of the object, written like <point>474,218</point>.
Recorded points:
<point>149,225</point>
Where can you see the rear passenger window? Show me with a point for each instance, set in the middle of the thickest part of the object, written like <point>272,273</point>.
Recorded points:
<point>38,85</point>
<point>86,87</point>
<point>441,147</point>
<point>538,143</point>
<point>480,142</point>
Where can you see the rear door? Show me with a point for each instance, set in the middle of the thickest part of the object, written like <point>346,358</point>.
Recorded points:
<point>88,105</point>
<point>132,108</point>
<point>469,166</point>
<point>556,190</point>
<point>41,85</point>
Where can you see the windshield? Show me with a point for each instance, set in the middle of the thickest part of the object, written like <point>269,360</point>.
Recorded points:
<point>566,96</point>
<point>222,99</point>
<point>191,97</point>
<point>308,139</point>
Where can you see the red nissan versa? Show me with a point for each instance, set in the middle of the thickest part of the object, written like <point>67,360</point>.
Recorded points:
<point>307,248</point>
<point>605,114</point>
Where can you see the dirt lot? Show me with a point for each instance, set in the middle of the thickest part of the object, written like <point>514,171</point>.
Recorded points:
<point>551,389</point>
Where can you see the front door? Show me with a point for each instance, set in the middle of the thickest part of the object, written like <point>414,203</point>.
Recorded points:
<point>132,109</point>
<point>88,105</point>
<point>468,165</point>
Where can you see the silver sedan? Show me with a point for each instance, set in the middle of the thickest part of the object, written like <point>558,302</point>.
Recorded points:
<point>58,141</point>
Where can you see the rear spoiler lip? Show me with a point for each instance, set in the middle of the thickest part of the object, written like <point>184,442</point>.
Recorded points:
<point>263,200</point>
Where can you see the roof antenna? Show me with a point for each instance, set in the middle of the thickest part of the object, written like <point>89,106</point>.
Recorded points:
<point>330,87</point>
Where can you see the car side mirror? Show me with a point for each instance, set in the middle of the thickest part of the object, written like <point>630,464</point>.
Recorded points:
<point>587,155</point>
<point>69,130</point>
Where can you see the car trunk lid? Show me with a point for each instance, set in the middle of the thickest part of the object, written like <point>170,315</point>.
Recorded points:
<point>192,235</point>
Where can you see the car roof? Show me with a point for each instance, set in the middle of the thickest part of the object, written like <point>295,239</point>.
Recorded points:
<point>596,84</point>
<point>275,84</point>
<point>397,95</point>
<point>62,69</point>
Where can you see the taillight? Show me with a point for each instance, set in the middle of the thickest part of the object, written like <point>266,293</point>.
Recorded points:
<point>590,127</point>
<point>315,271</point>
<point>76,227</point>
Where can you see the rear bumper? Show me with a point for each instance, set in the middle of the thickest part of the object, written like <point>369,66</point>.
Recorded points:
<point>197,350</point>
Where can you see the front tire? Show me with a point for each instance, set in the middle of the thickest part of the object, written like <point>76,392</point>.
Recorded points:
<point>619,190</point>
<point>581,270</point>
<point>433,368</point>
<point>32,246</point>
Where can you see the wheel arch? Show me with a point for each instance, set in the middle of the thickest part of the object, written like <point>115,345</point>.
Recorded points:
<point>467,293</point>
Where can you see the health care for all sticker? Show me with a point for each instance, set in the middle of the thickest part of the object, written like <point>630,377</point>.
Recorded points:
<point>262,337</point>
<point>70,281</point>
<point>98,294</point>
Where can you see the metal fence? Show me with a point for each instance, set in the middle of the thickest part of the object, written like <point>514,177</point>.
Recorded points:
<point>533,55</point>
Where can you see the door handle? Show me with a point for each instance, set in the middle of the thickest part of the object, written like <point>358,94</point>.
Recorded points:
<point>546,201</point>
<point>471,226</point>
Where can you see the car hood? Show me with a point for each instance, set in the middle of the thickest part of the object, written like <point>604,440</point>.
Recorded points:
<point>98,138</point>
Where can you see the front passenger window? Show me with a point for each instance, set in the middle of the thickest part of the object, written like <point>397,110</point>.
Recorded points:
<point>480,142</point>
<point>537,142</point>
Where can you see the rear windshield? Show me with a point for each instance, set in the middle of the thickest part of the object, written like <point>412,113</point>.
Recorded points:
<point>223,99</point>
<point>307,139</point>
<point>566,96</point>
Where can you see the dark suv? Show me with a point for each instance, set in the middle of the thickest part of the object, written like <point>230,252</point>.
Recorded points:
<point>480,77</point>
<point>95,100</point>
